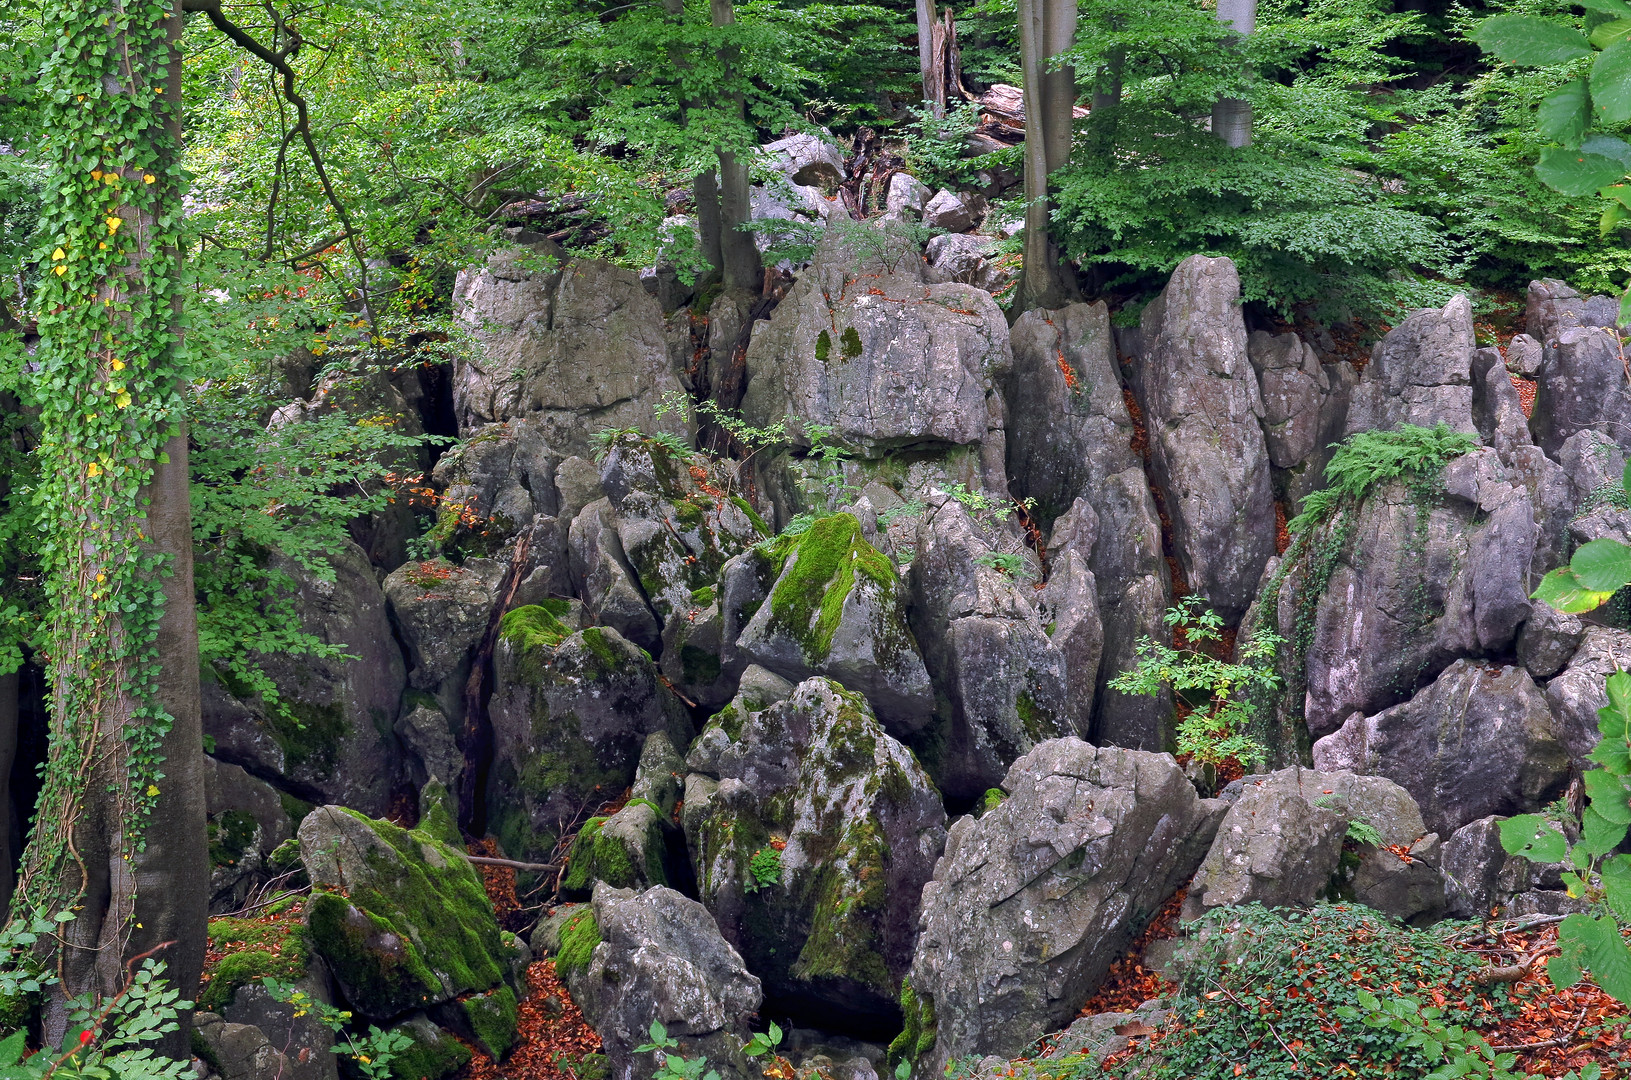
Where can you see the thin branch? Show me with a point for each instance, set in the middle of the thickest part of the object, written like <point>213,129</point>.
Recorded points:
<point>532,867</point>
<point>280,62</point>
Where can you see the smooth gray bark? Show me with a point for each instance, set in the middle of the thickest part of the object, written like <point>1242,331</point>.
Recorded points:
<point>925,55</point>
<point>1232,117</point>
<point>1046,29</point>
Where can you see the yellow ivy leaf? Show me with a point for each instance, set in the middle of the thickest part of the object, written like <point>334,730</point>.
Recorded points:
<point>93,469</point>
<point>122,400</point>
<point>152,790</point>
<point>113,224</point>
<point>110,178</point>
<point>96,174</point>
<point>118,364</point>
<point>59,269</point>
<point>101,245</point>
<point>148,178</point>
<point>58,254</point>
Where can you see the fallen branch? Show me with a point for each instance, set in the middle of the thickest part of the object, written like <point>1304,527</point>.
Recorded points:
<point>1510,973</point>
<point>1562,1040</point>
<point>530,867</point>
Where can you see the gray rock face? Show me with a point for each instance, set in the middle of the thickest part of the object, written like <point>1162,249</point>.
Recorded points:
<point>1480,740</point>
<point>1294,386</point>
<point>577,342</point>
<point>601,575</point>
<point>1523,355</point>
<point>1281,843</point>
<point>949,211</point>
<point>307,1038</point>
<point>807,160</point>
<point>662,958</point>
<point>432,745</point>
<point>570,715</point>
<point>1420,373</point>
<point>1070,440</point>
<point>246,824</point>
<point>906,192</point>
<point>832,605</point>
<point>1551,495</point>
<point>1032,901</point>
<point>441,612</point>
<point>1204,412</point>
<point>1478,873</point>
<point>1552,308</point>
<point>1579,691</point>
<point>861,345</point>
<point>243,1050</point>
<point>1415,587</point>
<point>971,260</point>
<point>1595,465</point>
<point>832,924</point>
<point>1003,682</point>
<point>1582,385</point>
<point>500,478</point>
<point>1496,410</point>
<point>335,743</point>
<point>1549,640</point>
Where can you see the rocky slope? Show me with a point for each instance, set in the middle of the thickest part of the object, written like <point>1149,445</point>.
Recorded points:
<point>833,731</point>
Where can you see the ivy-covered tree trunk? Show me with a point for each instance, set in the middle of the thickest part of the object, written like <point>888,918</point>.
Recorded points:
<point>1046,29</point>
<point>933,89</point>
<point>118,838</point>
<point>1232,117</point>
<point>743,271</point>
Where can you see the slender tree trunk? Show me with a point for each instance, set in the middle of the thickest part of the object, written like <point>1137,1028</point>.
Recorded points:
<point>10,685</point>
<point>1232,117</point>
<point>925,56</point>
<point>119,834</point>
<point>742,268</point>
<point>1046,29</point>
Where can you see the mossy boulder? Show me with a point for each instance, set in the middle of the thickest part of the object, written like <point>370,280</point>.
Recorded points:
<point>441,612</point>
<point>627,850</point>
<point>836,607</point>
<point>432,1053</point>
<point>400,917</point>
<point>569,720</point>
<point>813,833</point>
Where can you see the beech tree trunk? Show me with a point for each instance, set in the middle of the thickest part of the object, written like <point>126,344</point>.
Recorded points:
<point>129,898</point>
<point>1046,29</point>
<point>743,272</point>
<point>1232,117</point>
<point>933,87</point>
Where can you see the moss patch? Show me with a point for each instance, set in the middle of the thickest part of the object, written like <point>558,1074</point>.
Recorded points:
<point>918,1035</point>
<point>827,559</point>
<point>428,1058</point>
<point>255,949</point>
<point>309,734</point>
<point>852,343</point>
<point>382,972</point>
<point>492,1018</point>
<point>753,515</point>
<point>533,626</point>
<point>230,835</point>
<point>579,937</point>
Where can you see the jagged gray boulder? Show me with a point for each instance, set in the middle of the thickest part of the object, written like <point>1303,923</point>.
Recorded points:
<point>241,1051</point>
<point>813,833</point>
<point>1418,583</point>
<point>1480,740</point>
<point>570,715</point>
<point>1552,307</point>
<point>246,823</point>
<point>1002,684</point>
<point>970,259</point>
<point>601,574</point>
<point>1204,410</point>
<point>1305,407</point>
<point>953,212</point>
<point>1523,355</point>
<point>826,602</point>
<point>1549,640</point>
<point>494,483</point>
<point>441,612</point>
<point>906,193</point>
<point>1581,381</point>
<point>1070,442</point>
<point>660,957</point>
<point>1496,410</point>
<point>330,740</point>
<point>578,343</point>
<point>1478,873</point>
<point>1281,844</point>
<point>1579,690</point>
<point>1034,899</point>
<point>860,344</point>
<point>1419,373</point>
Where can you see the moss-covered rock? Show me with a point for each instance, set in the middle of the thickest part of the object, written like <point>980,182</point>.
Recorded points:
<point>628,850</point>
<point>813,833</point>
<point>432,1054</point>
<point>253,949</point>
<point>413,927</point>
<point>569,720</point>
<point>490,1019</point>
<point>837,608</point>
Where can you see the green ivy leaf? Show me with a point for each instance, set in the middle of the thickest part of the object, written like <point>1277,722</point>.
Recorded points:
<point>1565,114</point>
<point>1530,42</point>
<point>1611,82</point>
<point>1602,565</point>
<point>1563,591</point>
<point>1606,34</point>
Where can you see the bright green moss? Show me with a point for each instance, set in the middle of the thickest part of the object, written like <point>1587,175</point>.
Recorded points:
<point>278,950</point>
<point>753,515</point>
<point>579,937</point>
<point>533,626</point>
<point>918,1034</point>
<point>492,1017</point>
<point>439,814</point>
<point>1037,722</point>
<point>704,596</point>
<point>827,558</point>
<point>379,981</point>
<point>852,343</point>
<point>823,346</point>
<point>992,799</point>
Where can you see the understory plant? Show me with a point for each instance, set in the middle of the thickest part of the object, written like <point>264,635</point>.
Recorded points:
<point>1217,695</point>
